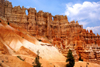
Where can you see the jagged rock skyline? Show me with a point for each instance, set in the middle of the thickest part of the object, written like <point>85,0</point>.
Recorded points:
<point>52,35</point>
<point>81,11</point>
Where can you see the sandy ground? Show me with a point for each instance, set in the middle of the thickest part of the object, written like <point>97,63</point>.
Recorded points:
<point>12,61</point>
<point>86,64</point>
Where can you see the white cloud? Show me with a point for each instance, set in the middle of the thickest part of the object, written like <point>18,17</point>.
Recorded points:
<point>84,11</point>
<point>30,7</point>
<point>95,29</point>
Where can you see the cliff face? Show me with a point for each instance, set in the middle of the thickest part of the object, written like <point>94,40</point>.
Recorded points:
<point>38,23</point>
<point>61,33</point>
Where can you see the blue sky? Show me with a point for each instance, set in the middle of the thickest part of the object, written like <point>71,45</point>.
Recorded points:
<point>87,12</point>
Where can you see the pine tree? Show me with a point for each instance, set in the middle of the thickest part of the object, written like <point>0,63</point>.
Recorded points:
<point>80,59</point>
<point>70,59</point>
<point>8,23</point>
<point>37,63</point>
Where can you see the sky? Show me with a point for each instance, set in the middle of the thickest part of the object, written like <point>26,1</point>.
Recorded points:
<point>86,12</point>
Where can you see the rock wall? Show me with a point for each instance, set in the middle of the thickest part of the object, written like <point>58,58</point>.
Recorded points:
<point>63,34</point>
<point>37,23</point>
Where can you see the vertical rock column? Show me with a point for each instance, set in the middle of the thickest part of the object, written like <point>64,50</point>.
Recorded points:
<point>48,20</point>
<point>63,25</point>
<point>32,21</point>
<point>8,9</point>
<point>41,24</point>
<point>55,27</point>
<point>59,26</point>
<point>23,22</point>
<point>2,8</point>
<point>16,16</point>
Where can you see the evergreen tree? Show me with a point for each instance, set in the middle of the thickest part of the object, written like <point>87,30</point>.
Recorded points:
<point>37,63</point>
<point>8,23</point>
<point>80,59</point>
<point>70,59</point>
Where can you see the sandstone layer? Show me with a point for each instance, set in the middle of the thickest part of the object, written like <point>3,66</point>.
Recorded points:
<point>54,32</point>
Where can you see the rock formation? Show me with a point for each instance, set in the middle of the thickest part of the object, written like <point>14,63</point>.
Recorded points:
<point>2,2</point>
<point>57,29</point>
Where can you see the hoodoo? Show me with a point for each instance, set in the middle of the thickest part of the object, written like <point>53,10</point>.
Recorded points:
<point>52,35</point>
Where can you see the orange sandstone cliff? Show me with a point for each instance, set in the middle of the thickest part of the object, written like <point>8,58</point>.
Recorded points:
<point>54,32</point>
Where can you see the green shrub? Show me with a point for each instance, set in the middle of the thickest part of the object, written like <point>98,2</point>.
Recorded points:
<point>1,65</point>
<point>37,63</point>
<point>8,23</point>
<point>20,58</point>
<point>39,40</point>
<point>87,64</point>
<point>14,51</point>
